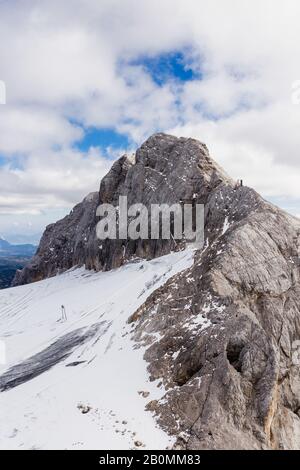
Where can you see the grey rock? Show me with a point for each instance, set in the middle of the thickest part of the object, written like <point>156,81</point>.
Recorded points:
<point>228,324</point>
<point>63,244</point>
<point>165,169</point>
<point>227,327</point>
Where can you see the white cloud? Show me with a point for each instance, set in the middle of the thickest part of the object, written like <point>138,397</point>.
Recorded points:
<point>69,61</point>
<point>61,178</point>
<point>257,145</point>
<point>27,129</point>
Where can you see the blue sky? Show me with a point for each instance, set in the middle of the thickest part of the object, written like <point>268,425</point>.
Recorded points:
<point>106,139</point>
<point>88,83</point>
<point>173,65</point>
<point>162,68</point>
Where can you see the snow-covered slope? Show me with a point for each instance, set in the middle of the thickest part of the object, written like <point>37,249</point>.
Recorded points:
<point>76,383</point>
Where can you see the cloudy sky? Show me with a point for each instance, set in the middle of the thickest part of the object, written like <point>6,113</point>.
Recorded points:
<point>87,80</point>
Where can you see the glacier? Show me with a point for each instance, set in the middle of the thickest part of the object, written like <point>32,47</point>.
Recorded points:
<point>81,383</point>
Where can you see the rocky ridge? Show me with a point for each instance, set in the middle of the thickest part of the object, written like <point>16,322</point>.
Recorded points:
<point>221,335</point>
<point>164,169</point>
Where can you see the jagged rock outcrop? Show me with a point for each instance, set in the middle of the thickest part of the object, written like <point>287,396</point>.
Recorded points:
<point>63,244</point>
<point>220,336</point>
<point>165,169</point>
<point>226,330</point>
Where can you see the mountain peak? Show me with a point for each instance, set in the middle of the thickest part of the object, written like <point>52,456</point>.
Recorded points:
<point>164,170</point>
<point>220,334</point>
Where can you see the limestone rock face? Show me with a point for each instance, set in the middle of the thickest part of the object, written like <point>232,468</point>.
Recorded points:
<point>165,169</point>
<point>63,244</point>
<point>222,335</point>
<point>227,327</point>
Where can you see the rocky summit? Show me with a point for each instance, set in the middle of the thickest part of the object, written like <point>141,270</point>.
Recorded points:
<point>164,169</point>
<point>221,335</point>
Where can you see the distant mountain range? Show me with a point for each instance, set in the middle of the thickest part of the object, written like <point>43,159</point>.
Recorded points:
<point>7,249</point>
<point>13,258</point>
